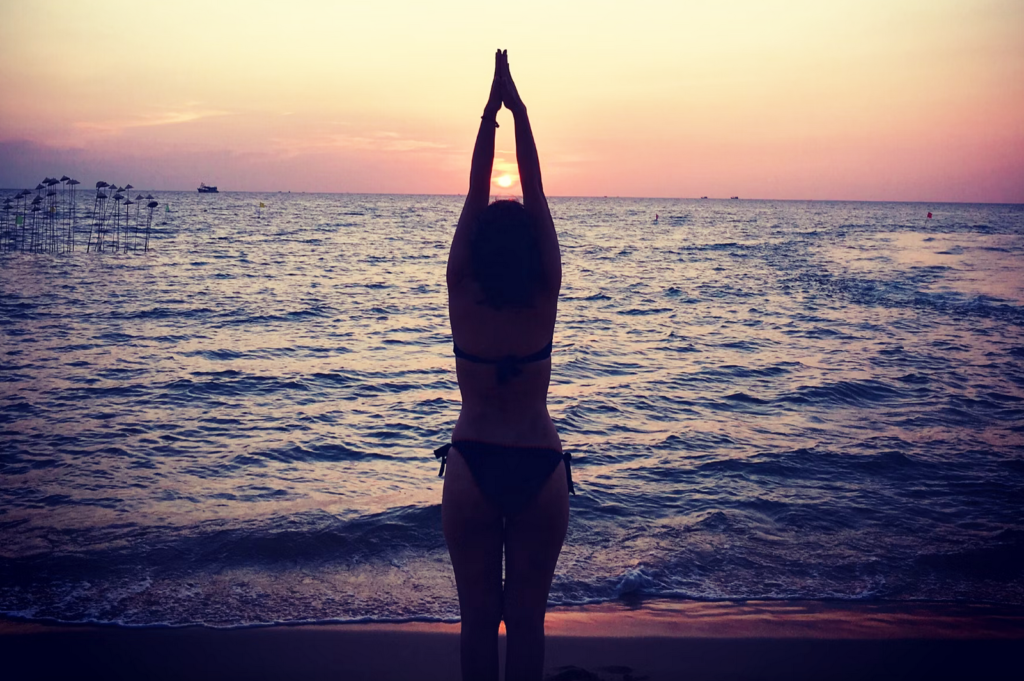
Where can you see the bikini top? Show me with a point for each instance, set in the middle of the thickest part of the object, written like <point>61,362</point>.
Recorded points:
<point>507,367</point>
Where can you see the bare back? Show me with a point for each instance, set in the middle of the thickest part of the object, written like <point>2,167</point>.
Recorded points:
<point>512,412</point>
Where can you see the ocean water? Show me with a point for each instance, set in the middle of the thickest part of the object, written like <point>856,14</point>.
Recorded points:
<point>770,400</point>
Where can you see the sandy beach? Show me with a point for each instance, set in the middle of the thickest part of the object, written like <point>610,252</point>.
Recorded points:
<point>653,640</point>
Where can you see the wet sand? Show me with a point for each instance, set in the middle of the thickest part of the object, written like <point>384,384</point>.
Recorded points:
<point>657,640</point>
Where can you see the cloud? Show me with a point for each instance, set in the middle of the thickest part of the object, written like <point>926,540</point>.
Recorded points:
<point>186,114</point>
<point>173,117</point>
<point>381,141</point>
<point>384,141</point>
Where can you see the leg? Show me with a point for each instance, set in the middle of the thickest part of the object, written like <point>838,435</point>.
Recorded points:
<point>533,540</point>
<point>474,530</point>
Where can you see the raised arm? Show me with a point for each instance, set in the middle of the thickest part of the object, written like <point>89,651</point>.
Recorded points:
<point>479,177</point>
<point>534,201</point>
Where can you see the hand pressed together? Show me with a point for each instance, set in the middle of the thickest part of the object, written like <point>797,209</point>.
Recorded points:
<point>509,93</point>
<point>495,97</point>
<point>503,88</point>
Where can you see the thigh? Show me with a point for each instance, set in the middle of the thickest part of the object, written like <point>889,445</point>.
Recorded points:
<point>473,530</point>
<point>533,540</point>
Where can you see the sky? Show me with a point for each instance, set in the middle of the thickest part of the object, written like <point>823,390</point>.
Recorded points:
<point>902,100</point>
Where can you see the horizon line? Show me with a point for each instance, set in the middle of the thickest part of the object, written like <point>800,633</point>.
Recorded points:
<point>576,196</point>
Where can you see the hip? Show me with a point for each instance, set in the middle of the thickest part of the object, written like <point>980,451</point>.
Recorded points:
<point>529,428</point>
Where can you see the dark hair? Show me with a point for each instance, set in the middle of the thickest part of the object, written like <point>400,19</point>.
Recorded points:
<point>505,256</point>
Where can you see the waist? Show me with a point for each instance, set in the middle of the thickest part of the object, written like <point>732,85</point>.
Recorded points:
<point>481,384</point>
<point>527,426</point>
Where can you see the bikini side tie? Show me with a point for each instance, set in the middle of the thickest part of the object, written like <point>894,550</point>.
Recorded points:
<point>442,453</point>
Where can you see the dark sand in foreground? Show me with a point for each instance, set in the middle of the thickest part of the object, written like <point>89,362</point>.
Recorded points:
<point>657,640</point>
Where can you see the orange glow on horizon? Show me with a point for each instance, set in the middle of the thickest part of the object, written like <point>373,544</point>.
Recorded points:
<point>851,99</point>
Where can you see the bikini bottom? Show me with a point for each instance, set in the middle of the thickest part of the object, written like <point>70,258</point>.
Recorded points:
<point>509,477</point>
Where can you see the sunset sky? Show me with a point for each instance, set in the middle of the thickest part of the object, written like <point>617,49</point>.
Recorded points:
<point>915,100</point>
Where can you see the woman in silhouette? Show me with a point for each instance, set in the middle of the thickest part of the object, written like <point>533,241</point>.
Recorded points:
<point>507,487</point>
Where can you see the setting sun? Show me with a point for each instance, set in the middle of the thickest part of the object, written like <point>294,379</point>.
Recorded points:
<point>504,181</point>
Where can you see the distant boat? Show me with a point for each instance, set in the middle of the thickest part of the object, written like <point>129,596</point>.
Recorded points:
<point>703,197</point>
<point>731,197</point>
<point>203,189</point>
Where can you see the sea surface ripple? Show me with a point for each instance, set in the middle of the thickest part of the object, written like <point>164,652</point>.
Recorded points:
<point>764,400</point>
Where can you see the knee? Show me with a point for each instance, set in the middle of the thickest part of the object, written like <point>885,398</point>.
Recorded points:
<point>523,620</point>
<point>481,617</point>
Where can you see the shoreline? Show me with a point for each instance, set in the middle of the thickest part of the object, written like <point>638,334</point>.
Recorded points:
<point>656,639</point>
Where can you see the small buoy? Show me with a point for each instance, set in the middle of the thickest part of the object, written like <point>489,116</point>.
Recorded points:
<point>929,215</point>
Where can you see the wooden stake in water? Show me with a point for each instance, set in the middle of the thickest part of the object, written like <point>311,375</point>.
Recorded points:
<point>73,210</point>
<point>128,194</point>
<point>14,222</point>
<point>38,199</point>
<point>127,232</point>
<point>25,234</point>
<point>5,238</point>
<point>52,241</point>
<point>138,209</point>
<point>35,237</point>
<point>63,216</point>
<point>63,211</point>
<point>19,221</point>
<point>98,216</point>
<point>149,221</point>
<point>118,198</point>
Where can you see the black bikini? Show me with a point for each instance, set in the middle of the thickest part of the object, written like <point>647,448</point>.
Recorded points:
<point>507,367</point>
<point>508,476</point>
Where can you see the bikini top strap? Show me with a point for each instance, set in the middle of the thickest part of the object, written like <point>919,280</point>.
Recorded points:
<point>462,354</point>
<point>543,353</point>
